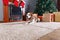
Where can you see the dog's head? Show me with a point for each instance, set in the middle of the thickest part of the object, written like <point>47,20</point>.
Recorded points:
<point>29,15</point>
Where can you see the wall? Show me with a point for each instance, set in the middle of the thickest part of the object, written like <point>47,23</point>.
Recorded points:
<point>1,10</point>
<point>30,5</point>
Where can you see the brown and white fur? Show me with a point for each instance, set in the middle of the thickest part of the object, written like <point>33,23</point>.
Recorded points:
<point>32,18</point>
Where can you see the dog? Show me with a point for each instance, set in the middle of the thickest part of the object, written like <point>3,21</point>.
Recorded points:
<point>32,18</point>
<point>29,16</point>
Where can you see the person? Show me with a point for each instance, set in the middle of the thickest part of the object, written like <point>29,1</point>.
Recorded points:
<point>22,5</point>
<point>5,2</point>
<point>17,9</point>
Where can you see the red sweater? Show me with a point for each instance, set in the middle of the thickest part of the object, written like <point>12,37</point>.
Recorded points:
<point>21,4</point>
<point>5,2</point>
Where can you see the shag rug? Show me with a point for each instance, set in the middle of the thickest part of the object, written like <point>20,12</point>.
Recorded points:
<point>22,31</point>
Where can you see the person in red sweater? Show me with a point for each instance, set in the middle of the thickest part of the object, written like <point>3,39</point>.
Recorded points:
<point>19,4</point>
<point>5,2</point>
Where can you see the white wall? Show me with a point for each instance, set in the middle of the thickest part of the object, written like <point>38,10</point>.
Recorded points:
<point>30,5</point>
<point>1,10</point>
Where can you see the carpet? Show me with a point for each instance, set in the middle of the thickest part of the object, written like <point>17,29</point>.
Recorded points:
<point>22,31</point>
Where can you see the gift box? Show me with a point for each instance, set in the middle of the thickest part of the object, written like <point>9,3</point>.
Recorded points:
<point>57,16</point>
<point>48,17</point>
<point>40,17</point>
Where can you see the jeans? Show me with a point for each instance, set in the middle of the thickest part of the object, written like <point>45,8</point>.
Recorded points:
<point>16,13</point>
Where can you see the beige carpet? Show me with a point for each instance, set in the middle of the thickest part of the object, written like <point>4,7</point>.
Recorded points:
<point>22,31</point>
<point>55,35</point>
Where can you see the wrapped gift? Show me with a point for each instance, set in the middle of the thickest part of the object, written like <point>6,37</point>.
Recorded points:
<point>40,17</point>
<point>57,16</point>
<point>48,17</point>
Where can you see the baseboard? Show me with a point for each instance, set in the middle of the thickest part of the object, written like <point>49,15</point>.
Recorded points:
<point>1,21</point>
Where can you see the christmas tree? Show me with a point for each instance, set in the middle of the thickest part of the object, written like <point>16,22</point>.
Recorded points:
<point>43,6</point>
